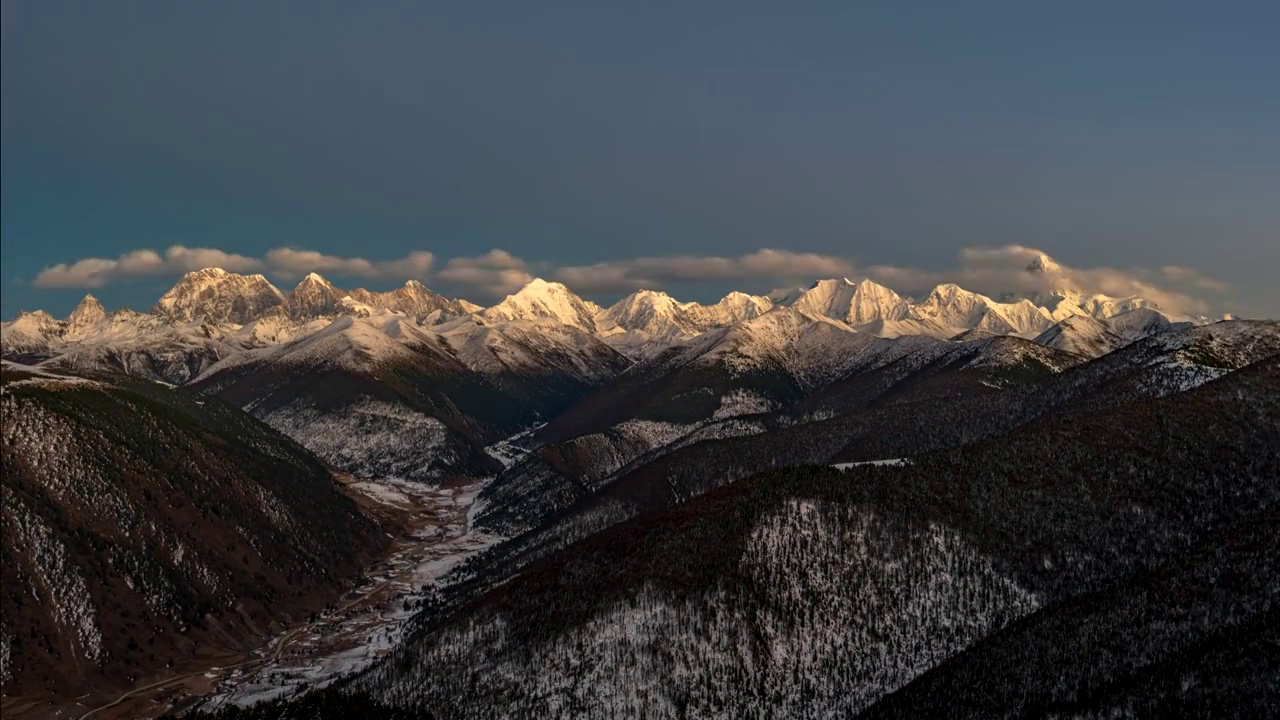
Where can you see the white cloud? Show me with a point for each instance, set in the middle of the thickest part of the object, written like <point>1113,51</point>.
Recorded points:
<point>765,264</point>
<point>282,262</point>
<point>187,259</point>
<point>495,273</point>
<point>1023,270</point>
<point>289,262</point>
<point>994,271</point>
<point>97,272</point>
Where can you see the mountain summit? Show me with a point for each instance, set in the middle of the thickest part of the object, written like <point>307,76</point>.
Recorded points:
<point>658,315</point>
<point>88,312</point>
<point>314,297</point>
<point>540,301</point>
<point>853,303</point>
<point>219,296</point>
<point>415,300</point>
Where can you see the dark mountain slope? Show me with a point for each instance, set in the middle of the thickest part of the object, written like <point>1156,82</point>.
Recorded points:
<point>389,419</point>
<point>382,397</point>
<point>947,400</point>
<point>815,591</point>
<point>553,477</point>
<point>1194,638</point>
<point>938,372</point>
<point>144,523</point>
<point>327,704</point>
<point>767,362</point>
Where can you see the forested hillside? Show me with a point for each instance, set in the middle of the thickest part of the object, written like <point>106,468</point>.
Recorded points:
<point>814,591</point>
<point>144,524</point>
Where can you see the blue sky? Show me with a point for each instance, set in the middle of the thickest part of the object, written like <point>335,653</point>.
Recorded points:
<point>1135,140</point>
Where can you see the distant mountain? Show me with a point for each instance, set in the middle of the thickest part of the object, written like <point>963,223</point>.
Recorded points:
<point>142,522</point>
<point>554,357</point>
<point>642,326</point>
<point>383,396</point>
<point>31,336</point>
<point>1082,335</point>
<point>752,366</point>
<point>88,313</point>
<point>217,296</point>
<point>643,416</point>
<point>1143,322</point>
<point>937,398</point>
<point>359,394</point>
<point>314,297</point>
<point>949,310</point>
<point>644,323</point>
<point>953,308</point>
<point>1092,337</point>
<point>854,303</point>
<point>541,301</point>
<point>416,301</point>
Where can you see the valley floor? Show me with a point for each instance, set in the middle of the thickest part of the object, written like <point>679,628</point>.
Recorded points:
<point>353,632</point>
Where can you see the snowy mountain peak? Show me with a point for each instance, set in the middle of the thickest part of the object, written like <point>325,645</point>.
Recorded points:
<point>652,312</point>
<point>415,300</point>
<point>855,303</point>
<point>1082,335</point>
<point>948,292</point>
<point>1044,264</point>
<point>315,297</point>
<point>540,301</point>
<point>219,296</point>
<point>88,312</point>
<point>647,315</point>
<point>732,308</point>
<point>951,308</point>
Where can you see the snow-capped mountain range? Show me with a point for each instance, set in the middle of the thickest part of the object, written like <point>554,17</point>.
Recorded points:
<point>214,313</point>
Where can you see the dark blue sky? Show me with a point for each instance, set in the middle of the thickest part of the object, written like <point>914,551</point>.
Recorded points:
<point>1128,135</point>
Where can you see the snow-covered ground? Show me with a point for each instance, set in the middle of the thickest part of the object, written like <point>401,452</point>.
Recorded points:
<point>509,451</point>
<point>370,620</point>
<point>891,461</point>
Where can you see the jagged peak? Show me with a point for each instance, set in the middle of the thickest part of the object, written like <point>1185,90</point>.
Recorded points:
<point>217,273</point>
<point>87,311</point>
<point>1044,264</point>
<point>543,300</point>
<point>537,290</point>
<point>220,296</point>
<point>88,301</point>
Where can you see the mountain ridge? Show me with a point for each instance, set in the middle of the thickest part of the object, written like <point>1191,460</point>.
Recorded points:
<point>634,324</point>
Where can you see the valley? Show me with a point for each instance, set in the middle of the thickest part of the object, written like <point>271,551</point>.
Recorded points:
<point>432,536</point>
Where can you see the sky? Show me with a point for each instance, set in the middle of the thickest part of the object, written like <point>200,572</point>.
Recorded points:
<point>695,147</point>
